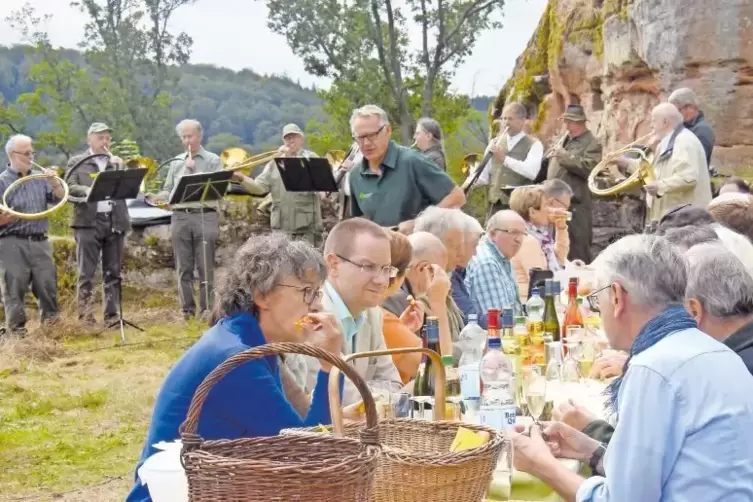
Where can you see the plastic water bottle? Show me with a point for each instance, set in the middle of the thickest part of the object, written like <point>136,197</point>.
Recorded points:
<point>535,325</point>
<point>497,408</point>
<point>472,340</point>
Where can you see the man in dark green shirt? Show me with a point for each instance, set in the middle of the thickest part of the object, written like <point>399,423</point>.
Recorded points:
<point>394,184</point>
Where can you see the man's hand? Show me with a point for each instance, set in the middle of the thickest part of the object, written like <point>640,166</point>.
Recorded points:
<point>530,452</point>
<point>49,173</point>
<point>238,176</point>
<point>566,442</point>
<point>559,152</point>
<point>190,164</point>
<point>115,160</point>
<point>500,153</point>
<point>325,333</point>
<point>652,188</point>
<point>439,287</point>
<point>347,165</point>
<point>572,414</point>
<point>413,317</point>
<point>6,218</point>
<point>406,227</point>
<point>609,365</point>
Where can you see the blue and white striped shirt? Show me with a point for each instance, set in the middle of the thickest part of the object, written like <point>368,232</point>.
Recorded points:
<point>30,197</point>
<point>490,279</point>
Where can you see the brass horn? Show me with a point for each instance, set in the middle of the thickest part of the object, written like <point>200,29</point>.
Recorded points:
<point>555,145</point>
<point>238,159</point>
<point>5,208</point>
<point>643,174</point>
<point>470,162</point>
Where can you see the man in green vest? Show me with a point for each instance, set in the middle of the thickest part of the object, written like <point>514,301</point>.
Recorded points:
<point>572,163</point>
<point>516,160</point>
<point>297,213</point>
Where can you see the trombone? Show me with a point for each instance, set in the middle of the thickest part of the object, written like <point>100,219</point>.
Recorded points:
<point>5,207</point>
<point>495,142</point>
<point>238,159</point>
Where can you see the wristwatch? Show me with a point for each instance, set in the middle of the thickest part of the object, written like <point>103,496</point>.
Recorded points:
<point>596,458</point>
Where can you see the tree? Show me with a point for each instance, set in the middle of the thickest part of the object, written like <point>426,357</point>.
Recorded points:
<point>364,46</point>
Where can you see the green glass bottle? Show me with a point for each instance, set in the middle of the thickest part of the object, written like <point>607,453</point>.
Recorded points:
<point>551,322</point>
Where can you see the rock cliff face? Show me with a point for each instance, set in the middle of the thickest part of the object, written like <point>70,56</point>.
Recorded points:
<point>619,58</point>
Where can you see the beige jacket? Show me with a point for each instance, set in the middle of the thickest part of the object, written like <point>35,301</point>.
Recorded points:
<point>368,338</point>
<point>531,256</point>
<point>682,173</point>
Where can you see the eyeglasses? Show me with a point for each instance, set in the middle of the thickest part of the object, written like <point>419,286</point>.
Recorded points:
<point>371,136</point>
<point>593,298</point>
<point>371,269</point>
<point>555,201</point>
<point>310,295</point>
<point>515,234</point>
<point>25,154</point>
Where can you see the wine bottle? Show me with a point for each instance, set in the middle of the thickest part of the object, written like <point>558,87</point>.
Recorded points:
<point>551,323</point>
<point>573,315</point>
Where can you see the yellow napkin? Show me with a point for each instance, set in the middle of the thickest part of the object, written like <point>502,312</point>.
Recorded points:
<point>465,439</point>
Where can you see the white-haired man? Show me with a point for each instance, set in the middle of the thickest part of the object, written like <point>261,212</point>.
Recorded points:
<point>686,102</point>
<point>193,228</point>
<point>685,407</point>
<point>720,298</point>
<point>516,161</point>
<point>296,213</point>
<point>394,184</point>
<point>682,175</point>
<point>99,227</point>
<point>25,251</point>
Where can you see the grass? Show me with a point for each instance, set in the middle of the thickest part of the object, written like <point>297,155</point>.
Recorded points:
<point>75,404</point>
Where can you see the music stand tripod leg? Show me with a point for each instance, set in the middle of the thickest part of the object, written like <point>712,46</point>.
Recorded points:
<point>121,321</point>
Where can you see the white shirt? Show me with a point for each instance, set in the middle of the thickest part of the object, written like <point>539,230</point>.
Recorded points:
<point>528,168</point>
<point>103,206</point>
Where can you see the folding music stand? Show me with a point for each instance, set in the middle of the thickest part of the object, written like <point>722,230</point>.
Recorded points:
<point>200,189</point>
<point>301,174</point>
<point>117,185</point>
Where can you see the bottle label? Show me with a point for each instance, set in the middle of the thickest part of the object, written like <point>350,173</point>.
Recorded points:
<point>470,382</point>
<point>509,413</point>
<point>493,417</point>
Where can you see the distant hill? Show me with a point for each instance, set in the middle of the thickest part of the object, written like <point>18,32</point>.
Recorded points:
<point>234,107</point>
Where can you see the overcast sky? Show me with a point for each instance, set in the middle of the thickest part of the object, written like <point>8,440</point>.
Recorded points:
<point>234,34</point>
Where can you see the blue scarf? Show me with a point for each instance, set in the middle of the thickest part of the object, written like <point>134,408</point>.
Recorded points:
<point>674,318</point>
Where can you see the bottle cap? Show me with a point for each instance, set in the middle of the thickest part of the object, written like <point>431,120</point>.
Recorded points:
<point>556,288</point>
<point>494,343</point>
<point>535,292</point>
<point>447,360</point>
<point>493,318</point>
<point>472,318</point>
<point>508,318</point>
<point>521,319</point>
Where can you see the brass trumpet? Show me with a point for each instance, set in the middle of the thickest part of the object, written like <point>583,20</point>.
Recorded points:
<point>495,142</point>
<point>641,176</point>
<point>5,208</point>
<point>557,144</point>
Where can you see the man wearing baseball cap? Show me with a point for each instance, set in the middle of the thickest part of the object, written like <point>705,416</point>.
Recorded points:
<point>572,162</point>
<point>99,227</point>
<point>297,213</point>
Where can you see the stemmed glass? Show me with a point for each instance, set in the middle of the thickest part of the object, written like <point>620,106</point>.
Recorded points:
<point>534,391</point>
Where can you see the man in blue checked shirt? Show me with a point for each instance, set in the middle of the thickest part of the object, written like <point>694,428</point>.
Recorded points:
<point>490,279</point>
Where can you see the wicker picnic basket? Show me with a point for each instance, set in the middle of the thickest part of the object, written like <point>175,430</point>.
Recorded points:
<point>321,468</point>
<point>416,463</point>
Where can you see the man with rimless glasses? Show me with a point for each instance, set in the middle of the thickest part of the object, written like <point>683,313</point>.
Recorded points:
<point>394,183</point>
<point>359,269</point>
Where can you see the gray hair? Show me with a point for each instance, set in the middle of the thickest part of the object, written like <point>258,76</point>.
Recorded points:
<point>500,217</point>
<point>432,127</point>
<point>650,269</point>
<point>11,144</point>
<point>557,188</point>
<point>691,235</point>
<point>472,225</point>
<point>719,281</point>
<point>668,112</point>
<point>517,108</point>
<point>369,111</point>
<point>440,220</point>
<point>683,97</point>
<point>189,123</point>
<point>259,265</point>
<point>737,244</point>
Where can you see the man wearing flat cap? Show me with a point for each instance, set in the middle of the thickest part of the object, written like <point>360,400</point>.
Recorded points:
<point>572,163</point>
<point>296,213</point>
<point>99,227</point>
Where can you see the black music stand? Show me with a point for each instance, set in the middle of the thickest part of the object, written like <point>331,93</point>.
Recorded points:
<point>201,188</point>
<point>117,185</point>
<point>301,174</point>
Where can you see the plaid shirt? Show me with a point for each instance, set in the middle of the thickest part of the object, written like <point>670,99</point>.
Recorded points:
<point>490,279</point>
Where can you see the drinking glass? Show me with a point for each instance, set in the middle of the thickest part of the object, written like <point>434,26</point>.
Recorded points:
<point>570,369</point>
<point>534,391</point>
<point>501,486</point>
<point>587,357</point>
<point>382,392</point>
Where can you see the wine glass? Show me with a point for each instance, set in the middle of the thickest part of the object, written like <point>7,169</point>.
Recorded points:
<point>534,391</point>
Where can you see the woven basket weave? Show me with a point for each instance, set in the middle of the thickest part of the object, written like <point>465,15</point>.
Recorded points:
<point>416,464</point>
<point>312,468</point>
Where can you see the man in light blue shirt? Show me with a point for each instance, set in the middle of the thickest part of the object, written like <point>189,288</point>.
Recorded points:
<point>685,405</point>
<point>489,277</point>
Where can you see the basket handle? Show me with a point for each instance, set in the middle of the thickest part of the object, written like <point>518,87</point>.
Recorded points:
<point>191,440</point>
<point>440,378</point>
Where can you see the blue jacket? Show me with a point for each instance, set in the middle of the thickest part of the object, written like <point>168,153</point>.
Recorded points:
<point>248,402</point>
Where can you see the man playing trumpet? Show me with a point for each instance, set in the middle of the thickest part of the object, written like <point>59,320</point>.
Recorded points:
<point>25,252</point>
<point>571,160</point>
<point>681,175</point>
<point>298,214</point>
<point>99,227</point>
<point>193,230</point>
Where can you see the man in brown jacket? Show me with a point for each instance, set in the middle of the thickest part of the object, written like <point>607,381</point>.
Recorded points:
<point>572,163</point>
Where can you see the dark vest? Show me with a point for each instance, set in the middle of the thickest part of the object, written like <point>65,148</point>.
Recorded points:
<point>501,176</point>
